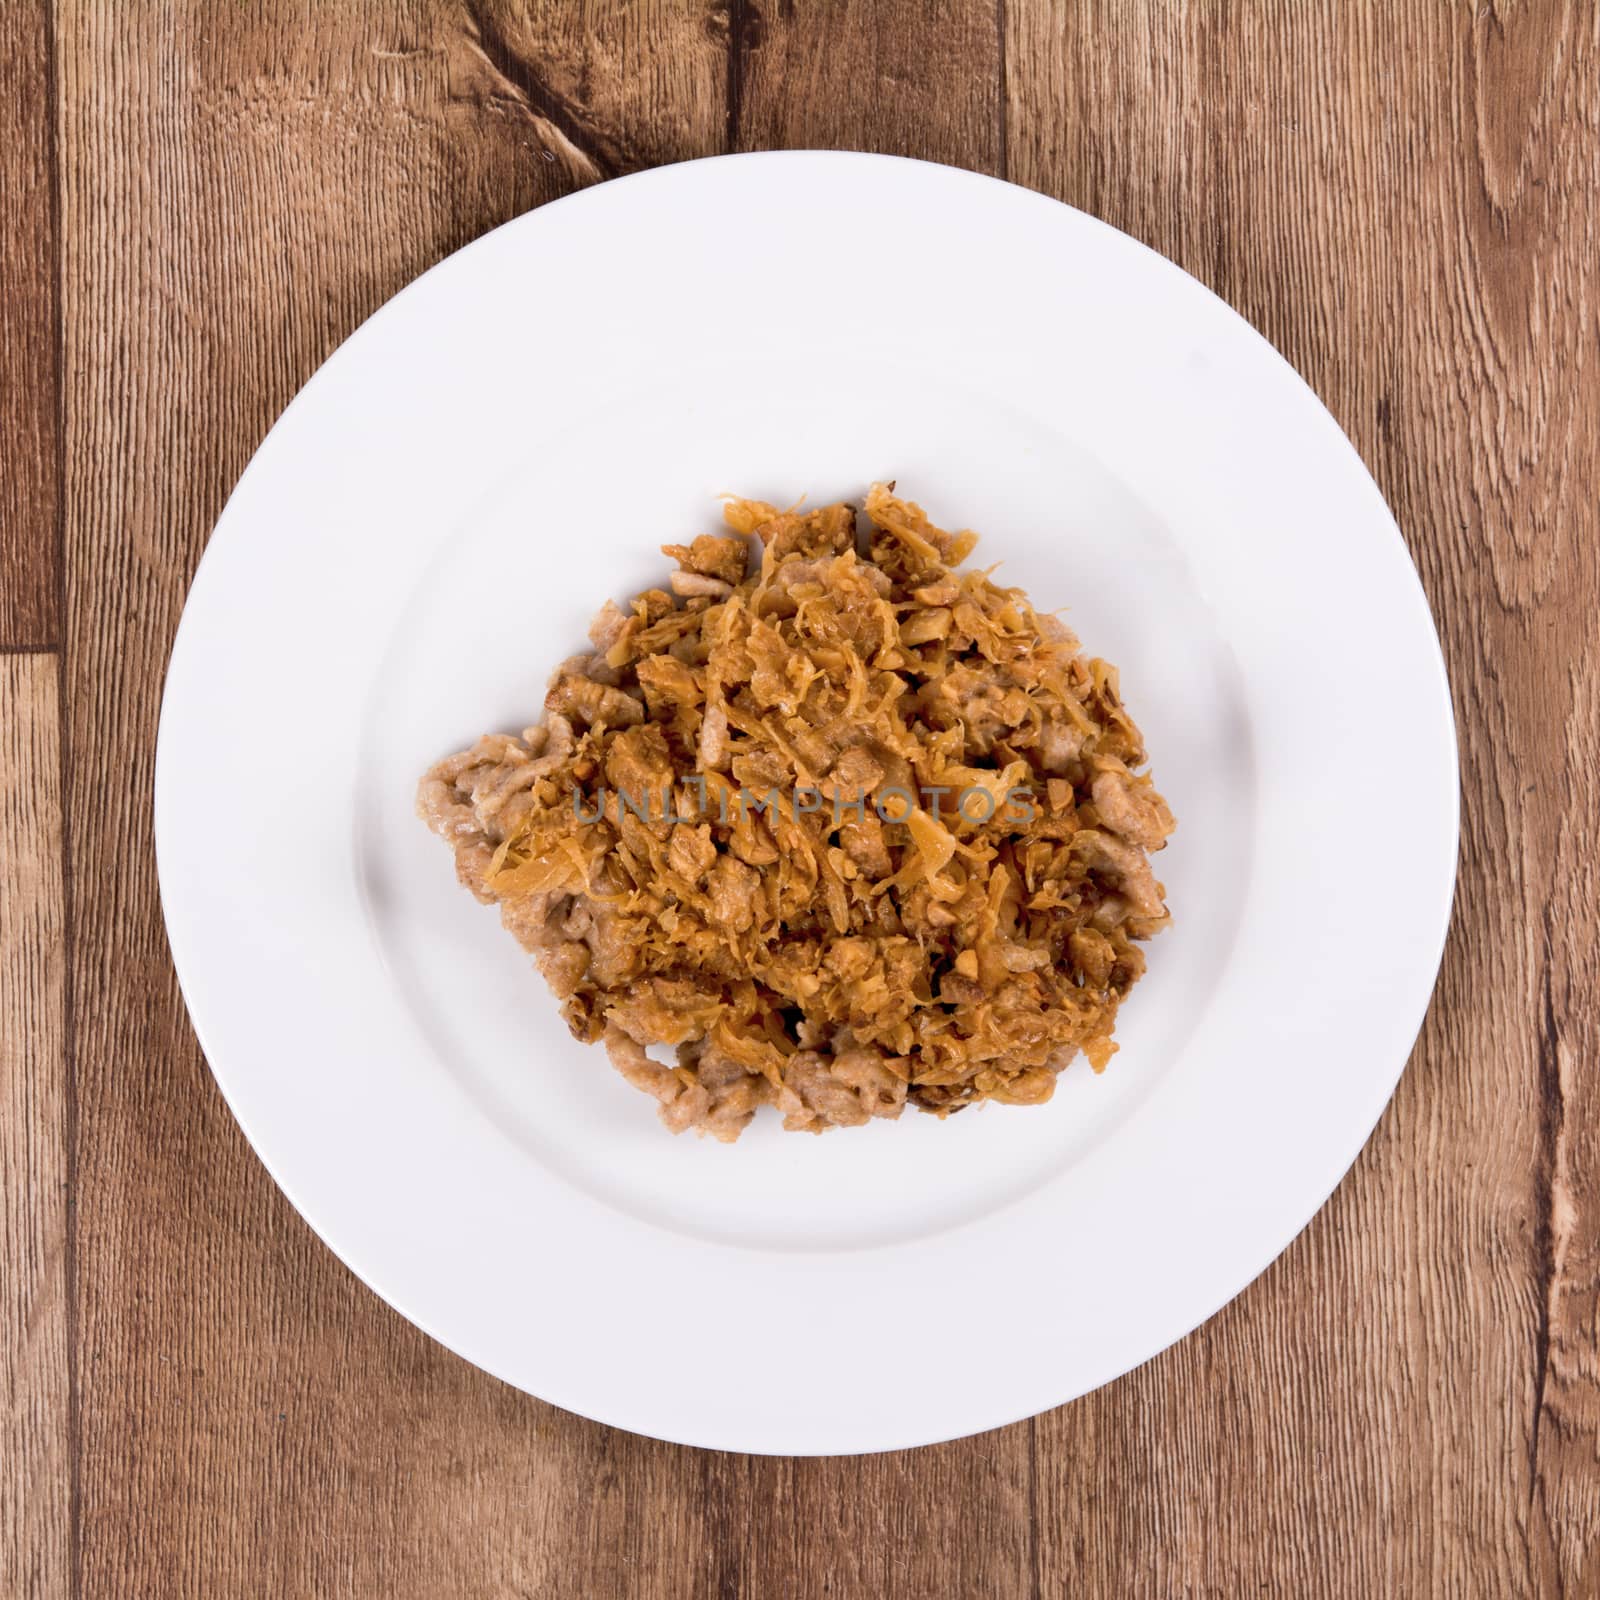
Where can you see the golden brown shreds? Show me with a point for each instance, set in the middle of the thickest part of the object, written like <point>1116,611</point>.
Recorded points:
<point>905,544</point>
<point>830,531</point>
<point>947,912</point>
<point>639,769</point>
<point>667,681</point>
<point>1093,954</point>
<point>745,516</point>
<point>652,606</point>
<point>692,852</point>
<point>712,555</point>
<point>923,627</point>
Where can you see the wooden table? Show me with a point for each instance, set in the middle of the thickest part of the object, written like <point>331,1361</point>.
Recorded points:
<point>202,199</point>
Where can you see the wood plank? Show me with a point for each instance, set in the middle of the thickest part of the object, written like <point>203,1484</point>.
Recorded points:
<point>914,77</point>
<point>905,77</point>
<point>624,86</point>
<point>35,1405</point>
<point>1408,205</point>
<point>240,186</point>
<point>29,442</point>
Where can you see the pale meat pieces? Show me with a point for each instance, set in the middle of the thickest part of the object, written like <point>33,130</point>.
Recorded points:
<point>838,960</point>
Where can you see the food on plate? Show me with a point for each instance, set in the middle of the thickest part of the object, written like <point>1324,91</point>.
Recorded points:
<point>827,823</point>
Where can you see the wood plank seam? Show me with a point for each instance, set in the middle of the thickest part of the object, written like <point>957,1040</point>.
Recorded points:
<point>70,1105</point>
<point>1552,1112</point>
<point>1000,87</point>
<point>35,1353</point>
<point>30,553</point>
<point>733,82</point>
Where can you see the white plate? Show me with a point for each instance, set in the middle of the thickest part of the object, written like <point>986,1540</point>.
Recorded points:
<point>427,531</point>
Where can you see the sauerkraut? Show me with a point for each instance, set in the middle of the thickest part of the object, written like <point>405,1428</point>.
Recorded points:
<point>841,826</point>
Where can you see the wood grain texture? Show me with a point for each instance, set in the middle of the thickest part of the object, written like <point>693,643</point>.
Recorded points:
<point>905,77</point>
<point>240,186</point>
<point>1406,199</point>
<point>30,570</point>
<point>1408,204</point>
<point>35,1406</point>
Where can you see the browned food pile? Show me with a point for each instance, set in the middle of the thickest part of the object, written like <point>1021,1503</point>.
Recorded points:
<point>812,922</point>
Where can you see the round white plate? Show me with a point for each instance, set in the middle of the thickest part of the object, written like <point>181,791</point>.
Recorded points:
<point>427,531</point>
